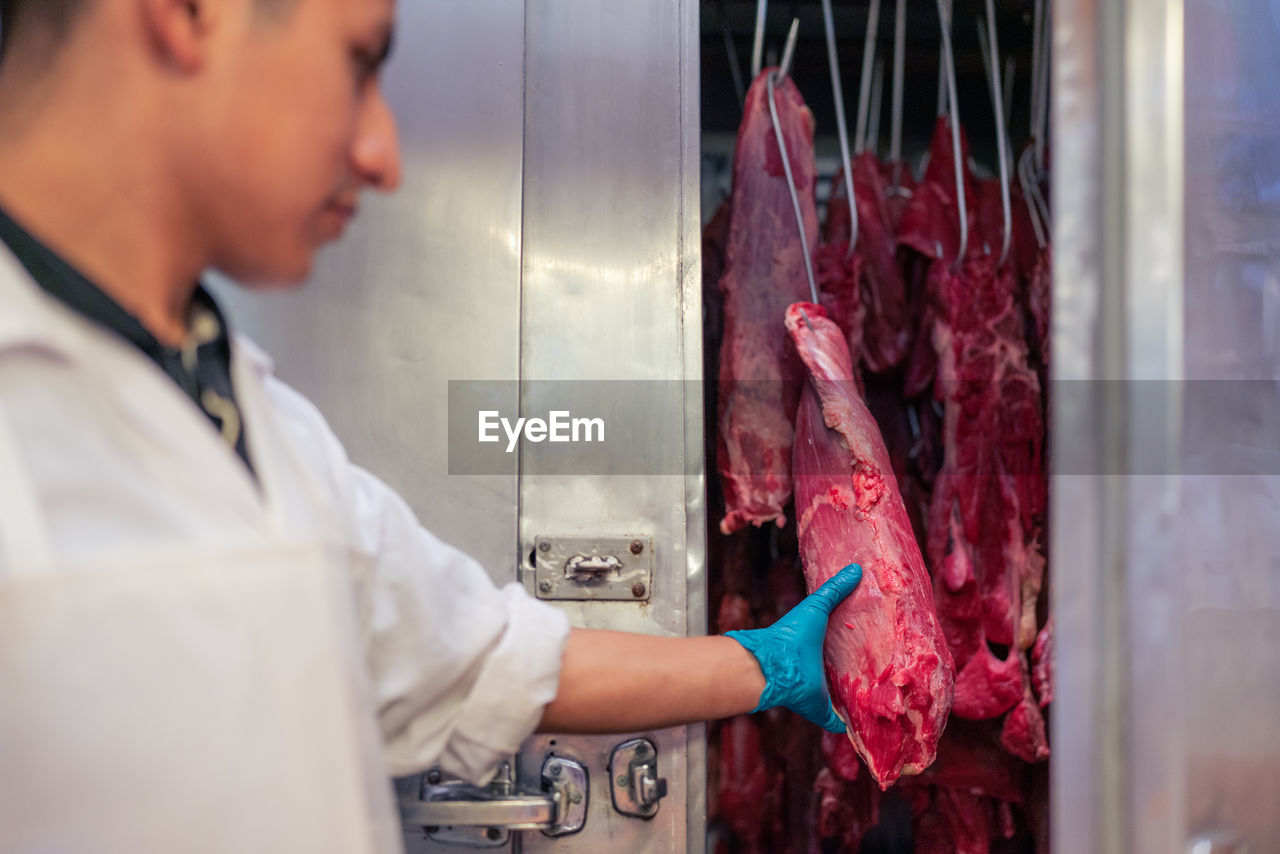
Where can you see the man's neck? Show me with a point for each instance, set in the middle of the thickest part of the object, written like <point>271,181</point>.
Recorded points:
<point>79,178</point>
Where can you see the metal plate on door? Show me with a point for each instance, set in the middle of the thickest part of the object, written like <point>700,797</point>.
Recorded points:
<point>616,569</point>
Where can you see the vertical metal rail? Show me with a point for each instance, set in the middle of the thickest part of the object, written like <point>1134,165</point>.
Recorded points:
<point>895,128</point>
<point>757,42</point>
<point>949,66</point>
<point>864,90</point>
<point>992,49</point>
<point>1041,116</point>
<point>771,83</point>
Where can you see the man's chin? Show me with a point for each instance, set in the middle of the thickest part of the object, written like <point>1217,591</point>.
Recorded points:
<point>274,278</point>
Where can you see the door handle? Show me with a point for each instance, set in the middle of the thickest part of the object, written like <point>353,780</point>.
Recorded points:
<point>560,809</point>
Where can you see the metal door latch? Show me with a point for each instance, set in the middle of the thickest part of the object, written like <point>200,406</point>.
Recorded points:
<point>616,569</point>
<point>459,813</point>
<point>634,780</point>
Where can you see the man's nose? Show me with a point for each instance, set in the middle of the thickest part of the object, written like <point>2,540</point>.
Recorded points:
<point>376,150</point>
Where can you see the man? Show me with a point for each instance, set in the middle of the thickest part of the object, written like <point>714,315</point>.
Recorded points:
<point>216,633</point>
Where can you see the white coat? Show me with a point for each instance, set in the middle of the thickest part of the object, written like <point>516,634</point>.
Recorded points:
<point>188,645</point>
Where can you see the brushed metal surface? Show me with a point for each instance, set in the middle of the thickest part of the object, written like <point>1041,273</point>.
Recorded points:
<point>610,252</point>
<point>1166,554</point>
<point>1227,544</point>
<point>1081,713</point>
<point>1154,288</point>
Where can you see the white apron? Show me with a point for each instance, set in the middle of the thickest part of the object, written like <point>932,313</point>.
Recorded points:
<point>203,701</point>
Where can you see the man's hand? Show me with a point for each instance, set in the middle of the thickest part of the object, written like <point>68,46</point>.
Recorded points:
<point>790,653</point>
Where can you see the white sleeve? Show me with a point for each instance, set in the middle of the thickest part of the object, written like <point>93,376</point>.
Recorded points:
<point>460,669</point>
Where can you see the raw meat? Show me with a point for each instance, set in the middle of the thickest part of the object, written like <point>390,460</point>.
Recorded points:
<point>1039,295</point>
<point>839,277</point>
<point>1042,664</point>
<point>887,327</point>
<point>888,667</point>
<point>747,789</point>
<point>764,273</point>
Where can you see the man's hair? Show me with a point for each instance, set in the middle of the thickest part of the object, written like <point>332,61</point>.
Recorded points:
<point>52,17</point>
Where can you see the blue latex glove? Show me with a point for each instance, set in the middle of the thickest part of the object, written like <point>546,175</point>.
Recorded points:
<point>790,653</point>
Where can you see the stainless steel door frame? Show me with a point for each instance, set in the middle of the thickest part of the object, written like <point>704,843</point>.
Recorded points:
<point>1117,302</point>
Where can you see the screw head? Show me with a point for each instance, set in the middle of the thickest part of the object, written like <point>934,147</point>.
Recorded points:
<point>544,546</point>
<point>493,833</point>
<point>642,749</point>
<point>554,769</point>
<point>623,781</point>
<point>544,586</point>
<point>636,547</point>
<point>433,777</point>
<point>637,590</point>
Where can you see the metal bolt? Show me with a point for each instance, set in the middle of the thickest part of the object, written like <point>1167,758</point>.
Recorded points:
<point>554,769</point>
<point>636,547</point>
<point>642,749</point>
<point>544,546</point>
<point>544,586</point>
<point>637,590</point>
<point>575,797</point>
<point>623,781</point>
<point>493,833</point>
<point>433,777</point>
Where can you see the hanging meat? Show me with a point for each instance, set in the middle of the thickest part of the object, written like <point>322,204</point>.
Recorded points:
<point>886,333</point>
<point>764,273</point>
<point>888,666</point>
<point>919,441</point>
<point>987,510</point>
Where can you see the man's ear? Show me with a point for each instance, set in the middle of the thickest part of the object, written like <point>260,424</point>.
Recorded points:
<point>181,30</point>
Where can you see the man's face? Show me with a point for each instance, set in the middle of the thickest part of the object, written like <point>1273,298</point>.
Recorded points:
<point>296,126</point>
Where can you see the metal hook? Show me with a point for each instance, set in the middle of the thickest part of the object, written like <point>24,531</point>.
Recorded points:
<point>1036,37</point>
<point>1041,205</point>
<point>789,51</point>
<point>991,51</point>
<point>895,128</point>
<point>877,97</point>
<point>864,82</point>
<point>771,82</point>
<point>1041,115</point>
<point>757,42</point>
<point>1029,191</point>
<point>944,19</point>
<point>842,127</point>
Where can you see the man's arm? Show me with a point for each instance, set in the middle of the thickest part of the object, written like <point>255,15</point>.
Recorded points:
<point>620,682</point>
<point>623,682</point>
